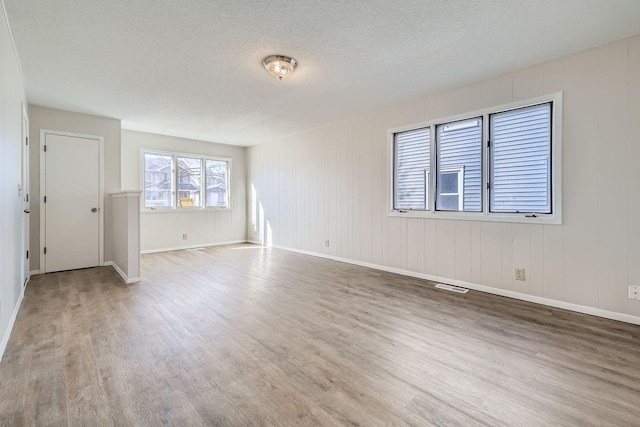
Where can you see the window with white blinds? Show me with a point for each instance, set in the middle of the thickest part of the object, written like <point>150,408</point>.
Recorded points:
<point>411,169</point>
<point>520,152</point>
<point>496,164</point>
<point>459,148</point>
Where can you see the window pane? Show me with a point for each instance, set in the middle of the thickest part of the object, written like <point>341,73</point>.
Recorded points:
<point>217,173</point>
<point>411,169</point>
<point>459,162</point>
<point>520,160</point>
<point>189,182</point>
<point>449,182</point>
<point>158,181</point>
<point>450,203</point>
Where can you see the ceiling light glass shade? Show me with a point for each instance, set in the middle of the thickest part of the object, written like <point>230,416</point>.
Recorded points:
<point>279,66</point>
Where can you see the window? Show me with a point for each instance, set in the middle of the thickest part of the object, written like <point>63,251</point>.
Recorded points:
<point>189,181</point>
<point>176,180</point>
<point>158,181</point>
<point>521,160</point>
<point>412,163</point>
<point>217,178</point>
<point>497,164</point>
<point>450,190</point>
<point>459,162</point>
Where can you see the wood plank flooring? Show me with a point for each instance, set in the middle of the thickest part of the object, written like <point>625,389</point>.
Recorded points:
<point>243,335</point>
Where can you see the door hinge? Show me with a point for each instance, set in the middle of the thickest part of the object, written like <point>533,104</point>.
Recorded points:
<point>27,198</point>
<point>488,143</point>
<point>45,148</point>
<point>27,140</point>
<point>27,254</point>
<point>488,186</point>
<point>45,199</point>
<point>45,250</point>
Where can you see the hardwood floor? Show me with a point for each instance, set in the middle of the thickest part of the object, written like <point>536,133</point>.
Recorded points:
<point>243,335</point>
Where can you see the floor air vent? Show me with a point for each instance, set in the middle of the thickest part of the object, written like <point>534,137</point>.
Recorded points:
<point>452,288</point>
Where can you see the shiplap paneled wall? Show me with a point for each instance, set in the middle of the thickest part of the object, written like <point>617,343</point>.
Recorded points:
<point>163,230</point>
<point>12,99</point>
<point>332,183</point>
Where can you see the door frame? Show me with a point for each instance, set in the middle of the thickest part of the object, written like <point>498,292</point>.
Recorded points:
<point>24,196</point>
<point>100,139</point>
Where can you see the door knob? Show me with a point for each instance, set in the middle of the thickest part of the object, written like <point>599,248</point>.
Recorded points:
<point>94,209</point>
<point>27,211</point>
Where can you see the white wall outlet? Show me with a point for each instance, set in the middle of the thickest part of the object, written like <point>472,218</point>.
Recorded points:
<point>634,292</point>
<point>184,236</point>
<point>326,243</point>
<point>519,273</point>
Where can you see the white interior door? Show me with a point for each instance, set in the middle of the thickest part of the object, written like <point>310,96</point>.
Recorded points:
<point>72,204</point>
<point>24,188</point>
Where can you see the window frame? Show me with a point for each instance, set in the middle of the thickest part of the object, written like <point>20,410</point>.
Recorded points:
<point>554,218</point>
<point>174,177</point>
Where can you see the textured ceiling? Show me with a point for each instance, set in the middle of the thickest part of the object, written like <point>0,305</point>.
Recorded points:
<point>193,68</point>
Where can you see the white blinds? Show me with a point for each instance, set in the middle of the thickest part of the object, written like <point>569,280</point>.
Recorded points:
<point>411,151</point>
<point>520,179</point>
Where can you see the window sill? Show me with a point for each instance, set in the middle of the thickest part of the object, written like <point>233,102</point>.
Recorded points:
<point>184,210</point>
<point>479,216</point>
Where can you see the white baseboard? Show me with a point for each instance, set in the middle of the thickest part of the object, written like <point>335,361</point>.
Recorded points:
<point>128,280</point>
<point>12,321</point>
<point>627,318</point>
<point>180,248</point>
<point>33,272</point>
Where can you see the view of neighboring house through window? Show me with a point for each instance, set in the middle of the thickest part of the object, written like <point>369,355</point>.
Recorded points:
<point>451,190</point>
<point>521,160</point>
<point>158,180</point>
<point>163,172</point>
<point>217,178</point>
<point>459,165</point>
<point>411,169</point>
<point>189,182</point>
<point>496,164</point>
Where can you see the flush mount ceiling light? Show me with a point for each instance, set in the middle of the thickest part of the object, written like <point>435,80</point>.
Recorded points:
<point>279,66</point>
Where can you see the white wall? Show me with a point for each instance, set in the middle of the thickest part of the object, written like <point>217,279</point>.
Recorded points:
<point>332,184</point>
<point>12,97</point>
<point>125,212</point>
<point>164,230</point>
<point>66,121</point>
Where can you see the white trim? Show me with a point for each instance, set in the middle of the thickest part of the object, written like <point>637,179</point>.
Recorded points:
<point>25,155</point>
<point>621,317</point>
<point>12,321</point>
<point>128,280</point>
<point>100,139</point>
<point>180,248</point>
<point>556,169</point>
<point>128,194</point>
<point>34,272</point>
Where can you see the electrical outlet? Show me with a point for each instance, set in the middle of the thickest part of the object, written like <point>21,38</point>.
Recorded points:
<point>634,292</point>
<point>184,236</point>
<point>326,243</point>
<point>519,273</point>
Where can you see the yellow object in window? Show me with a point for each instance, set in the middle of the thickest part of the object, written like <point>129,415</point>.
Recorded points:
<point>186,202</point>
